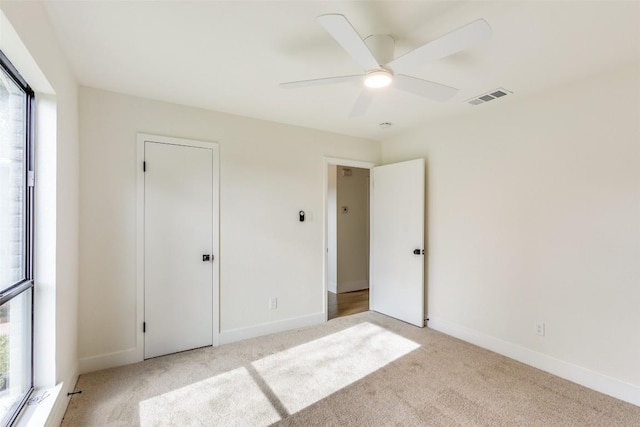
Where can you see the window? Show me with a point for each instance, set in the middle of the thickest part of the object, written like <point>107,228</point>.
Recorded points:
<point>16,237</point>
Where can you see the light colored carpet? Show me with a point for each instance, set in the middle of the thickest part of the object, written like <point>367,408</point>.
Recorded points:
<point>362,370</point>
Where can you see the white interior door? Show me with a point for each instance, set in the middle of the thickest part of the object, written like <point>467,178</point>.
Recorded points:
<point>178,231</point>
<point>397,230</point>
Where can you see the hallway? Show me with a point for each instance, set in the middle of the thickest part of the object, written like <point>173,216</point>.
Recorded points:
<point>348,303</point>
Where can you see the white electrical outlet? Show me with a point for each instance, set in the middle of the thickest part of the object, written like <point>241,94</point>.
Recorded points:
<point>273,303</point>
<point>540,328</point>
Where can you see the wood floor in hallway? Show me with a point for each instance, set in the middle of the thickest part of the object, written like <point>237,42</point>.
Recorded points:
<point>348,303</point>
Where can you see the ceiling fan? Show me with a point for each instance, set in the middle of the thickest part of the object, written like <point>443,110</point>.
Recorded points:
<point>375,56</point>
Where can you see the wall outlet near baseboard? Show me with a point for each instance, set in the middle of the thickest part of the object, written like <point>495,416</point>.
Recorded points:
<point>273,303</point>
<point>540,328</point>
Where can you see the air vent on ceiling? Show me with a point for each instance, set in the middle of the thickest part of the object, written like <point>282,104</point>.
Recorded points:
<point>489,96</point>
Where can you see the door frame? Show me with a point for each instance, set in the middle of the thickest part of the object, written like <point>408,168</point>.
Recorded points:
<point>141,139</point>
<point>325,223</point>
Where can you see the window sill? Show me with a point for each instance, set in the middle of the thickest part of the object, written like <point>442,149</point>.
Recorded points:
<point>39,407</point>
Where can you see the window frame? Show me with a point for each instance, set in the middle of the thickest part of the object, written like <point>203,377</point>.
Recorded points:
<point>26,283</point>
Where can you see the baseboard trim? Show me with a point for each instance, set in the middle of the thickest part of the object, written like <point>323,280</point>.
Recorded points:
<point>355,285</point>
<point>240,334</point>
<point>332,286</point>
<point>596,381</point>
<point>110,360</point>
<point>134,355</point>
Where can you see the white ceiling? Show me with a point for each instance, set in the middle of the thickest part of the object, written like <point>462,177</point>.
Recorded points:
<point>230,56</point>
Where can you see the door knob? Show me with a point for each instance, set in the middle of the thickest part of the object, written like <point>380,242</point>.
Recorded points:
<point>206,257</point>
<point>418,252</point>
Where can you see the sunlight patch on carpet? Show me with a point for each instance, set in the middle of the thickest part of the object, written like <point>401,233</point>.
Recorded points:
<point>281,384</point>
<point>229,399</point>
<point>305,374</point>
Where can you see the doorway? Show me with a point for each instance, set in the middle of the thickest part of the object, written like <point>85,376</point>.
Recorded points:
<point>180,285</point>
<point>396,236</point>
<point>347,237</point>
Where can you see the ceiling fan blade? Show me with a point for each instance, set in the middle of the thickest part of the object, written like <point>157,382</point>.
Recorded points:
<point>424,88</point>
<point>341,30</point>
<point>455,41</point>
<point>319,82</point>
<point>362,104</point>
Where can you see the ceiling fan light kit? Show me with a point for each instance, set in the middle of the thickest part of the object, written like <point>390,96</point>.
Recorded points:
<point>375,56</point>
<point>378,79</point>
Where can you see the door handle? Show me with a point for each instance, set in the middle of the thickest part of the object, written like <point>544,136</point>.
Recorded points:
<point>207,257</point>
<point>418,252</point>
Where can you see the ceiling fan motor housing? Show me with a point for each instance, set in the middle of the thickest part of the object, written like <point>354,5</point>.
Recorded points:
<point>382,47</point>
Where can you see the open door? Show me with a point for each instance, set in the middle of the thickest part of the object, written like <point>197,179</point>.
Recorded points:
<point>397,241</point>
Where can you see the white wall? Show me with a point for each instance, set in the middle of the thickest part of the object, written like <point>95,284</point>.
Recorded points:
<point>353,229</point>
<point>332,228</point>
<point>30,44</point>
<point>534,213</point>
<point>268,172</point>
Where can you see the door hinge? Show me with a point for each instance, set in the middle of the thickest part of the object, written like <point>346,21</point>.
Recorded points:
<point>144,166</point>
<point>31,179</point>
<point>144,327</point>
